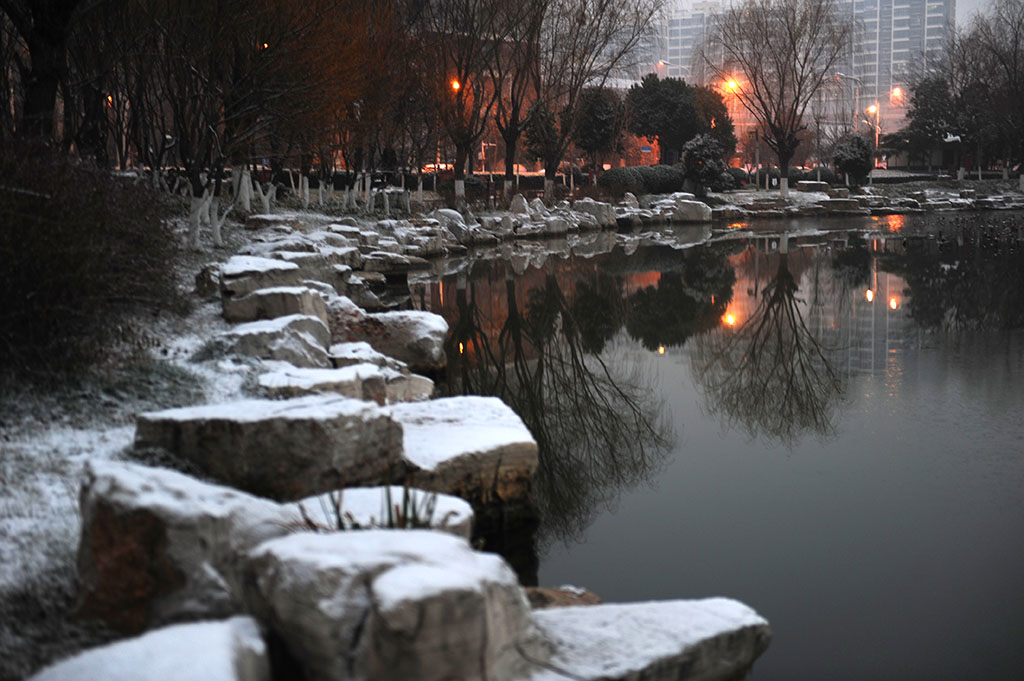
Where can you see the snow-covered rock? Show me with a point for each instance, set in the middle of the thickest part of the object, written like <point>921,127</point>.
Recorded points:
<point>707,640</point>
<point>158,546</point>
<point>229,650</point>
<point>282,449</point>
<point>629,200</point>
<point>281,301</point>
<point>393,605</point>
<point>411,336</point>
<point>537,207</point>
<point>298,339</point>
<point>691,211</point>
<point>519,205</point>
<point>243,274</point>
<point>320,264</point>
<point>362,381</point>
<point>476,448</point>
<point>604,213</point>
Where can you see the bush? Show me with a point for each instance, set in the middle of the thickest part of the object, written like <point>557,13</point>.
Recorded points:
<point>704,166</point>
<point>618,181</point>
<point>795,175</point>
<point>826,174</point>
<point>739,176</point>
<point>661,179</point>
<point>853,155</point>
<point>83,253</point>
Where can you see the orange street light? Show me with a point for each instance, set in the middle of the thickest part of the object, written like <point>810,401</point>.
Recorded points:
<point>661,349</point>
<point>869,295</point>
<point>893,303</point>
<point>732,85</point>
<point>872,109</point>
<point>455,84</point>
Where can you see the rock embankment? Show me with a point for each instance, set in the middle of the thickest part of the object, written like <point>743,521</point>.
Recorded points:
<point>269,544</point>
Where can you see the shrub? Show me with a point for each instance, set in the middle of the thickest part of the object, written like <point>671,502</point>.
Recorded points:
<point>703,164</point>
<point>83,253</point>
<point>853,155</point>
<point>795,175</point>
<point>825,172</point>
<point>618,181</point>
<point>739,176</point>
<point>661,179</point>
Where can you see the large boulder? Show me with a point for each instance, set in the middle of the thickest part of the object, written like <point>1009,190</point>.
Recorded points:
<point>714,639</point>
<point>476,448</point>
<point>230,650</point>
<point>243,274</point>
<point>393,605</point>
<point>282,449</point>
<point>411,336</point>
<point>301,340</point>
<point>691,211</point>
<point>281,301</point>
<point>604,213</point>
<point>519,205</point>
<point>320,264</point>
<point>362,381</point>
<point>158,546</point>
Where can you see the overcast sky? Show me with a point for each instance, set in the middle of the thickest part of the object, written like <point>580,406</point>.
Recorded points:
<point>965,9</point>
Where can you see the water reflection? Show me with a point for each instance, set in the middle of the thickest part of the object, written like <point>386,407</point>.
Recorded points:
<point>768,373</point>
<point>543,342</point>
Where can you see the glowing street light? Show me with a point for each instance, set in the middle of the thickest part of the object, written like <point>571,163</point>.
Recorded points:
<point>661,349</point>
<point>869,295</point>
<point>732,85</point>
<point>893,303</point>
<point>456,85</point>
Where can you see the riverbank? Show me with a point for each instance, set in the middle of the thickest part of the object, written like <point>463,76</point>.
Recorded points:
<point>68,447</point>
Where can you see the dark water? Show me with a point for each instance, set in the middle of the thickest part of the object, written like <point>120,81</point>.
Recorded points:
<point>727,419</point>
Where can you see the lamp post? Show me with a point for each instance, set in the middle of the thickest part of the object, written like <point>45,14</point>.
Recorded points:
<point>875,111</point>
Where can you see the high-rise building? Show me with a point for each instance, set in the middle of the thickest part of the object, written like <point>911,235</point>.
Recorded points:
<point>892,38</point>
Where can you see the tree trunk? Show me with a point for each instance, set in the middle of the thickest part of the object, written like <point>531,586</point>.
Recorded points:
<point>195,209</point>
<point>244,200</point>
<point>461,156</point>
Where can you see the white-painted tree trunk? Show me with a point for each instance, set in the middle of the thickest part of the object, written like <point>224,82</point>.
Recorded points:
<point>320,192</point>
<point>244,195</point>
<point>291,181</point>
<point>195,208</point>
<point>1020,181</point>
<point>460,190</point>
<point>1006,173</point>
<point>236,181</point>
<point>204,210</point>
<point>387,204</point>
<point>304,191</point>
<point>371,203</point>
<point>549,189</point>
<point>784,187</point>
<point>407,202</point>
<point>217,220</point>
<point>419,191</point>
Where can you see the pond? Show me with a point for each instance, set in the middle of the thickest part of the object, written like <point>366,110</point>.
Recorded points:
<point>827,424</point>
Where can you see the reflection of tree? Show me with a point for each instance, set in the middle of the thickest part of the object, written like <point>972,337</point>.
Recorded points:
<point>976,282</point>
<point>682,304</point>
<point>598,427</point>
<point>770,375</point>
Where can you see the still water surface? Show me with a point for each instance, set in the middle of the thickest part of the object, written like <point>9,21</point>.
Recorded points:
<point>833,435</point>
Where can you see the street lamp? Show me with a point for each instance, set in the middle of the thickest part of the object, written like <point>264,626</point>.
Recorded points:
<point>875,111</point>
<point>456,85</point>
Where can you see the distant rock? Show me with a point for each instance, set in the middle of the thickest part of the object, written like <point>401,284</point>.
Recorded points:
<point>604,213</point>
<point>564,596</point>
<point>362,381</point>
<point>269,303</point>
<point>519,205</point>
<point>297,339</point>
<point>243,274</point>
<point>629,200</point>
<point>411,336</point>
<point>691,211</point>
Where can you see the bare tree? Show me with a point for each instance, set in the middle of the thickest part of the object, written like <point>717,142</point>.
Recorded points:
<point>784,51</point>
<point>583,43</point>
